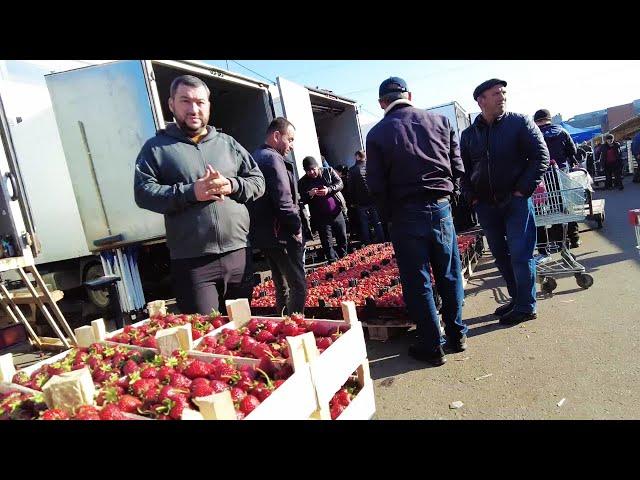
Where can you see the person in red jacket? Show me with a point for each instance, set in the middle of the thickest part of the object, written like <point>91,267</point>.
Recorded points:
<point>612,160</point>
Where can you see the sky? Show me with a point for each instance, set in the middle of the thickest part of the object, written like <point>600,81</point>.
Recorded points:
<point>567,87</point>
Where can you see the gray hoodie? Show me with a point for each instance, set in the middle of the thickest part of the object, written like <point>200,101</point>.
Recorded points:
<point>166,169</point>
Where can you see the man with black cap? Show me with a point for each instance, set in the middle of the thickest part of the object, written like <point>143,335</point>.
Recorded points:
<point>505,157</point>
<point>413,168</point>
<point>320,188</point>
<point>563,151</point>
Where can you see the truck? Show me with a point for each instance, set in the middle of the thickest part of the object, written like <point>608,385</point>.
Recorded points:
<point>105,113</point>
<point>457,115</point>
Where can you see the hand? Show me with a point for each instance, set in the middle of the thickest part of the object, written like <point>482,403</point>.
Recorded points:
<point>322,191</point>
<point>517,194</point>
<point>219,183</point>
<point>298,238</point>
<point>474,202</point>
<point>312,192</point>
<point>204,189</point>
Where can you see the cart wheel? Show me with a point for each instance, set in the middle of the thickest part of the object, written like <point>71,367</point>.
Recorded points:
<point>549,284</point>
<point>584,280</point>
<point>600,219</point>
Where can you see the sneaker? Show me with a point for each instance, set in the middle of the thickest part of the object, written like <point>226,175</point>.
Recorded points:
<point>575,244</point>
<point>456,346</point>
<point>504,308</point>
<point>434,357</point>
<point>513,318</point>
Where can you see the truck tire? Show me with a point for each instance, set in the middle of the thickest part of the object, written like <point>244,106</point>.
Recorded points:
<point>100,298</point>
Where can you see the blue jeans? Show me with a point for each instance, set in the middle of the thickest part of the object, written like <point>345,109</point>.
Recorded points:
<point>511,233</point>
<point>423,234</point>
<point>369,216</point>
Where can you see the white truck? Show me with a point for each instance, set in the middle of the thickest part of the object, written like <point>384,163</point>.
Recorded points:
<point>457,115</point>
<point>106,112</point>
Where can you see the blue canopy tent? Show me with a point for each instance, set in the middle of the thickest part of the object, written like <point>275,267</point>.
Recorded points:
<point>580,135</point>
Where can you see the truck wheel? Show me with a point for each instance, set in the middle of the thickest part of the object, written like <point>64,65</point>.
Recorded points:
<point>100,298</point>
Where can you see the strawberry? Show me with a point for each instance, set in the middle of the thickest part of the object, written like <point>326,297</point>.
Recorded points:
<point>298,318</point>
<point>323,343</point>
<point>149,372</point>
<point>232,341</point>
<point>196,368</point>
<point>290,329</point>
<point>121,338</point>
<point>247,344</point>
<point>248,404</point>
<point>217,323</point>
<point>201,390</point>
<point>177,407</point>
<point>218,386</point>
<point>164,373</point>
<point>54,414</point>
<point>318,329</point>
<point>265,336</point>
<point>135,355</point>
<point>96,349</point>
<point>262,350</point>
<point>260,392</point>
<point>272,326</point>
<point>196,334</point>
<point>210,341</point>
<point>150,342</point>
<point>237,394</point>
<point>179,381</point>
<point>227,373</point>
<point>109,395</point>
<point>80,357</point>
<point>87,412</point>
<point>336,410</point>
<point>20,378</point>
<point>283,372</point>
<point>171,392</point>
<point>221,350</point>
<point>111,412</point>
<point>129,367</point>
<point>342,397</point>
<point>129,404</point>
<point>143,386</point>
<point>255,325</point>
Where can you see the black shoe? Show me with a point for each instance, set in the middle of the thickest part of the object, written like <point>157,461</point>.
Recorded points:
<point>456,346</point>
<point>513,318</point>
<point>434,357</point>
<point>575,244</point>
<point>502,310</point>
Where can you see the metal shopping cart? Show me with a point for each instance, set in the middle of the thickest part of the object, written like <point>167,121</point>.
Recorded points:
<point>634,219</point>
<point>559,200</point>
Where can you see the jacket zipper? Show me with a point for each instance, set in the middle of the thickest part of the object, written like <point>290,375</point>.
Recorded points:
<point>213,211</point>
<point>493,195</point>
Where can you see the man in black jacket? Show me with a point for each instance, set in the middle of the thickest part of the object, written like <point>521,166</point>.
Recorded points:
<point>413,167</point>
<point>320,188</point>
<point>611,158</point>
<point>276,226</point>
<point>361,197</point>
<point>199,180</point>
<point>505,157</point>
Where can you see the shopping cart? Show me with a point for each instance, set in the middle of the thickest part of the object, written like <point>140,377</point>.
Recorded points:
<point>559,200</point>
<point>634,219</point>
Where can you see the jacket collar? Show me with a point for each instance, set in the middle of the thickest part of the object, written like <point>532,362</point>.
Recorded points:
<point>395,103</point>
<point>481,122</point>
<point>174,131</point>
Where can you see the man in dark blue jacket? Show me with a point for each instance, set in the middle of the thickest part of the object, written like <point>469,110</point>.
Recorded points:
<point>360,196</point>
<point>413,167</point>
<point>199,180</point>
<point>276,226</point>
<point>505,157</point>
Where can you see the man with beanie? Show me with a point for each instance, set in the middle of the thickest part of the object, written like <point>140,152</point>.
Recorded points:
<point>505,157</point>
<point>320,188</point>
<point>413,168</point>
<point>563,151</point>
<point>200,180</point>
<point>610,156</point>
<point>276,227</point>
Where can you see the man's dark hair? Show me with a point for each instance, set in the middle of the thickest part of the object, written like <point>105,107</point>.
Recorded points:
<point>393,96</point>
<point>279,124</point>
<point>188,80</point>
<point>608,136</point>
<point>360,153</point>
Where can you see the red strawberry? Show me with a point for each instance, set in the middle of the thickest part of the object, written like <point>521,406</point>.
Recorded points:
<point>226,373</point>
<point>221,350</point>
<point>218,386</point>
<point>111,412</point>
<point>265,336</point>
<point>232,341</point>
<point>150,342</point>
<point>142,386</point>
<point>342,397</point>
<point>81,357</point>
<point>171,392</point>
<point>121,338</point>
<point>210,341</point>
<point>196,334</point>
<point>254,325</point>
<point>298,318</point>
<point>323,343</point>
<point>177,407</point>
<point>87,412</point>
<point>272,326</point>
<point>179,381</point>
<point>21,378</point>
<point>129,403</point>
<point>201,390</point>
<point>164,373</point>
<point>149,372</point>
<point>217,323</point>
<point>196,368</point>
<point>109,395</point>
<point>247,344</point>
<point>290,329</point>
<point>54,414</point>
<point>261,392</point>
<point>277,383</point>
<point>237,394</point>
<point>248,404</point>
<point>336,410</point>
<point>129,367</point>
<point>261,350</point>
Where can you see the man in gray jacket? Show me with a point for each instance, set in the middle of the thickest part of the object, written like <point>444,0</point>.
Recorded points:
<point>199,180</point>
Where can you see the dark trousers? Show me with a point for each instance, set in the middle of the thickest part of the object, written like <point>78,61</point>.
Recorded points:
<point>424,236</point>
<point>367,218</point>
<point>200,283</point>
<point>614,171</point>
<point>329,228</point>
<point>287,272</point>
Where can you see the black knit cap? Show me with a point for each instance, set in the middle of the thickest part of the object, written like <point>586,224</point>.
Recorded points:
<point>309,162</point>
<point>486,85</point>
<point>542,114</point>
